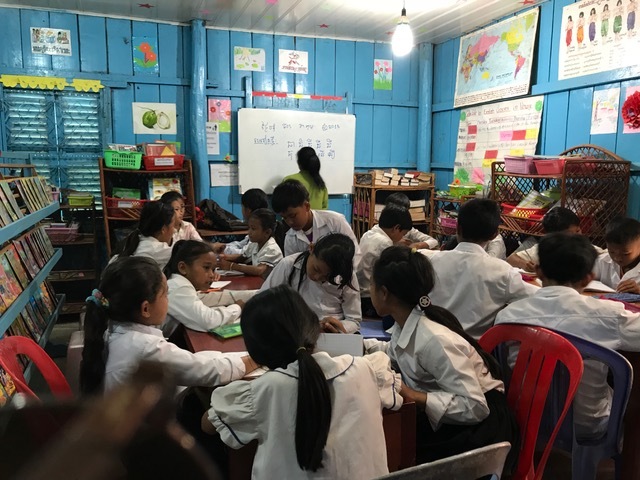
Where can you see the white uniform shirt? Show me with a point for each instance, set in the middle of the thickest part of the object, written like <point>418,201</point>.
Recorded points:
<point>604,322</point>
<point>264,410</point>
<point>324,223</point>
<point>372,243</point>
<point>186,232</point>
<point>152,248</point>
<point>186,307</point>
<point>324,299</point>
<point>270,253</point>
<point>235,248</point>
<point>531,254</point>
<point>475,286</point>
<point>439,362</point>
<point>497,248</point>
<point>131,343</point>
<point>609,272</point>
<point>416,236</point>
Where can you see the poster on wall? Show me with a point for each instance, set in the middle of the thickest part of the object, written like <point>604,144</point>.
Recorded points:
<point>495,62</point>
<point>630,110</point>
<point>213,138</point>
<point>250,59</point>
<point>604,111</point>
<point>154,118</point>
<point>220,111</point>
<point>382,74</point>
<point>597,36</point>
<point>293,61</point>
<point>145,54</point>
<point>223,174</point>
<point>51,41</point>
<point>489,132</point>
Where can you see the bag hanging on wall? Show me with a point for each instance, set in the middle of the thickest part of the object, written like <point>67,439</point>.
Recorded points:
<point>217,218</point>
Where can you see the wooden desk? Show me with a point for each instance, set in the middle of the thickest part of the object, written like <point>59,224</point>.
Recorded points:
<point>220,233</point>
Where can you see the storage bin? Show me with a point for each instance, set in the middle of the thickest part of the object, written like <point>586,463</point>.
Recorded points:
<point>522,165</point>
<point>458,191</point>
<point>173,162</point>
<point>80,199</point>
<point>449,225</point>
<point>123,160</point>
<point>124,207</point>
<point>158,149</point>
<point>63,234</point>
<point>526,220</point>
<point>549,166</point>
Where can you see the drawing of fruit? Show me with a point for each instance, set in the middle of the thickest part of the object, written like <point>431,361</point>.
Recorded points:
<point>152,118</point>
<point>164,122</point>
<point>149,119</point>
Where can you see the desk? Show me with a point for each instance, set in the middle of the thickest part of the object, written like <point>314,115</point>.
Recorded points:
<point>204,233</point>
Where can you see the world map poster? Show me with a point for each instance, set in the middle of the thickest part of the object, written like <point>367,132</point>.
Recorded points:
<point>495,62</point>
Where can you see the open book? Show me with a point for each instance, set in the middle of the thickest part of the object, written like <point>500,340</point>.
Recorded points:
<point>596,286</point>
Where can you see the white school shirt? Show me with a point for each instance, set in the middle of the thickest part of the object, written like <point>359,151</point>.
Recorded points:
<point>186,232</point>
<point>416,236</point>
<point>439,362</point>
<point>372,243</point>
<point>152,248</point>
<point>531,254</point>
<point>475,286</point>
<point>497,248</point>
<point>609,272</point>
<point>187,308</point>
<point>270,253</point>
<point>324,299</point>
<point>604,322</point>
<point>264,410</point>
<point>131,343</point>
<point>324,223</point>
<point>235,248</point>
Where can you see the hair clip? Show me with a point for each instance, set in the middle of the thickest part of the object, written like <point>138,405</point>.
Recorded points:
<point>98,298</point>
<point>300,349</point>
<point>424,301</point>
<point>414,250</point>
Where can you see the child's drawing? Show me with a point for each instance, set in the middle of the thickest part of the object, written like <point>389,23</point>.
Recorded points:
<point>245,58</point>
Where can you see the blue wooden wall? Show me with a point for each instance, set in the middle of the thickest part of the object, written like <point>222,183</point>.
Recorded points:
<point>566,114</point>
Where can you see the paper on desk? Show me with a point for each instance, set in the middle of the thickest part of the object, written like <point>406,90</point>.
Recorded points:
<point>596,286</point>
<point>340,343</point>
<point>220,284</point>
<point>225,297</point>
<point>228,273</point>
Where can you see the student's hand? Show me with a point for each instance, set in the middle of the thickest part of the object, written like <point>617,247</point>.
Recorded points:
<point>219,247</point>
<point>224,264</point>
<point>411,395</point>
<point>529,267</point>
<point>216,276</point>
<point>420,246</point>
<point>628,286</point>
<point>332,325</point>
<point>240,303</point>
<point>404,241</point>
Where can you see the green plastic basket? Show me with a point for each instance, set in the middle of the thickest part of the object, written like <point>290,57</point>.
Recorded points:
<point>124,160</point>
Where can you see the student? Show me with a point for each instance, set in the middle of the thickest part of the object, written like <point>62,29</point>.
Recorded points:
<point>619,266</point>
<point>496,248</point>
<point>454,383</point>
<point>262,252</point>
<point>252,199</point>
<point>313,416</point>
<point>324,276</point>
<point>471,284</point>
<point>121,331</point>
<point>309,176</point>
<point>153,235</point>
<point>291,200</point>
<point>183,230</point>
<point>192,269</point>
<point>392,227</point>
<point>415,238</point>
<point>566,264</point>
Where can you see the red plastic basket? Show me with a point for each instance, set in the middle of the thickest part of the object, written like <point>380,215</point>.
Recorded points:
<point>164,162</point>
<point>521,165</point>
<point>448,225</point>
<point>124,207</point>
<point>526,220</point>
<point>549,166</point>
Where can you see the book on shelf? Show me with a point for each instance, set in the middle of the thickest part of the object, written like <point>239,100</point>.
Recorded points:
<point>16,265</point>
<point>7,382</point>
<point>417,203</point>
<point>160,186</point>
<point>10,201</point>
<point>10,288</point>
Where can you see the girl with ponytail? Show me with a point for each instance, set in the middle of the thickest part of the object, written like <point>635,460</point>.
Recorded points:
<point>455,384</point>
<point>309,176</point>
<point>314,416</point>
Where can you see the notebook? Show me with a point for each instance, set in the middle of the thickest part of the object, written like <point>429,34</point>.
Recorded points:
<point>622,297</point>
<point>340,343</point>
<point>596,286</point>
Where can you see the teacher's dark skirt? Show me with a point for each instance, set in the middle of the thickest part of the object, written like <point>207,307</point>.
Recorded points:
<point>448,440</point>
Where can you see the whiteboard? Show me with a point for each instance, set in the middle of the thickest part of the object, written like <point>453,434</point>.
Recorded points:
<point>269,139</point>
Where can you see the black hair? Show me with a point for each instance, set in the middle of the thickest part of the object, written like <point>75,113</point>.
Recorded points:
<point>254,198</point>
<point>409,276</point>
<point>266,218</point>
<point>279,328</point>
<point>337,251</point>
<point>622,230</point>
<point>289,194</point>
<point>399,199</point>
<point>566,258</point>
<point>171,196</point>
<point>593,11</point>
<point>478,220</point>
<point>186,251</point>
<point>559,219</point>
<point>153,217</point>
<point>309,162</point>
<point>394,215</point>
<point>125,284</point>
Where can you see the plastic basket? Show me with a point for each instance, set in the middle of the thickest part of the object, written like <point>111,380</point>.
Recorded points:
<point>522,165</point>
<point>63,234</point>
<point>124,207</point>
<point>123,160</point>
<point>448,225</point>
<point>525,220</point>
<point>458,191</point>
<point>82,200</point>
<point>551,166</point>
<point>166,162</point>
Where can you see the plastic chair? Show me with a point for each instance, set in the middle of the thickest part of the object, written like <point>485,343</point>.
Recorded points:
<point>469,465</point>
<point>540,351</point>
<point>11,347</point>
<point>587,454</point>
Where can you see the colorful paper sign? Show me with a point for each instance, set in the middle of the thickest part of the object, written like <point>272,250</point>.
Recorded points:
<point>382,74</point>
<point>604,111</point>
<point>50,41</point>
<point>154,118</point>
<point>220,111</point>
<point>628,92</point>
<point>250,59</point>
<point>213,138</point>
<point>145,54</point>
<point>293,61</point>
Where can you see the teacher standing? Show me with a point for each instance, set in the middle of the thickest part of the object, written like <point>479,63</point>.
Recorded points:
<point>309,176</point>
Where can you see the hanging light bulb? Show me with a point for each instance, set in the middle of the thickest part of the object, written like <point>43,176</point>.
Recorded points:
<point>402,41</point>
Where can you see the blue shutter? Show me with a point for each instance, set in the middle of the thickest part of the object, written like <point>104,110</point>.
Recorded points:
<point>27,116</point>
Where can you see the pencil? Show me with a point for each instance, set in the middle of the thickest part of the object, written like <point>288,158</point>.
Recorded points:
<point>232,297</point>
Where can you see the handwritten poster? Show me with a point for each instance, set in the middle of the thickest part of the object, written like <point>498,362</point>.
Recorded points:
<point>604,111</point>
<point>213,138</point>
<point>293,61</point>
<point>220,111</point>
<point>223,174</point>
<point>489,132</point>
<point>597,36</point>
<point>247,58</point>
<point>382,74</point>
<point>51,41</point>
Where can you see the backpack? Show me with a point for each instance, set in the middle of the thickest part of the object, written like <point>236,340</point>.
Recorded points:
<point>217,218</point>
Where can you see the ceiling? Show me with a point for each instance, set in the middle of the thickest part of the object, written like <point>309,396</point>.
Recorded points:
<point>432,21</point>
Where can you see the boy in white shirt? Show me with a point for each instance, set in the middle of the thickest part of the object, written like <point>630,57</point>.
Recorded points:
<point>392,227</point>
<point>471,284</point>
<point>291,200</point>
<point>414,238</point>
<point>619,266</point>
<point>566,264</point>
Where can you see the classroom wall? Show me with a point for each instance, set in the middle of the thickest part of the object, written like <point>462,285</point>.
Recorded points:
<point>566,116</point>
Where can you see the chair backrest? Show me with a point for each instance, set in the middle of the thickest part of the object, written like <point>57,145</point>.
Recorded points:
<point>540,350</point>
<point>11,347</point>
<point>470,465</point>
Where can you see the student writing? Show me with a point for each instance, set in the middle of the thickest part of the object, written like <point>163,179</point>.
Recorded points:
<point>252,199</point>
<point>414,237</point>
<point>183,230</point>
<point>619,266</point>
<point>313,416</point>
<point>309,176</point>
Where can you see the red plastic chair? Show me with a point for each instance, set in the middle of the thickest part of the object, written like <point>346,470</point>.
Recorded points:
<point>11,347</point>
<point>531,379</point>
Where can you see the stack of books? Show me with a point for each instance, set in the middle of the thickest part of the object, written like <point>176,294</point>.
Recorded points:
<point>22,196</point>
<point>381,178</point>
<point>417,210</point>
